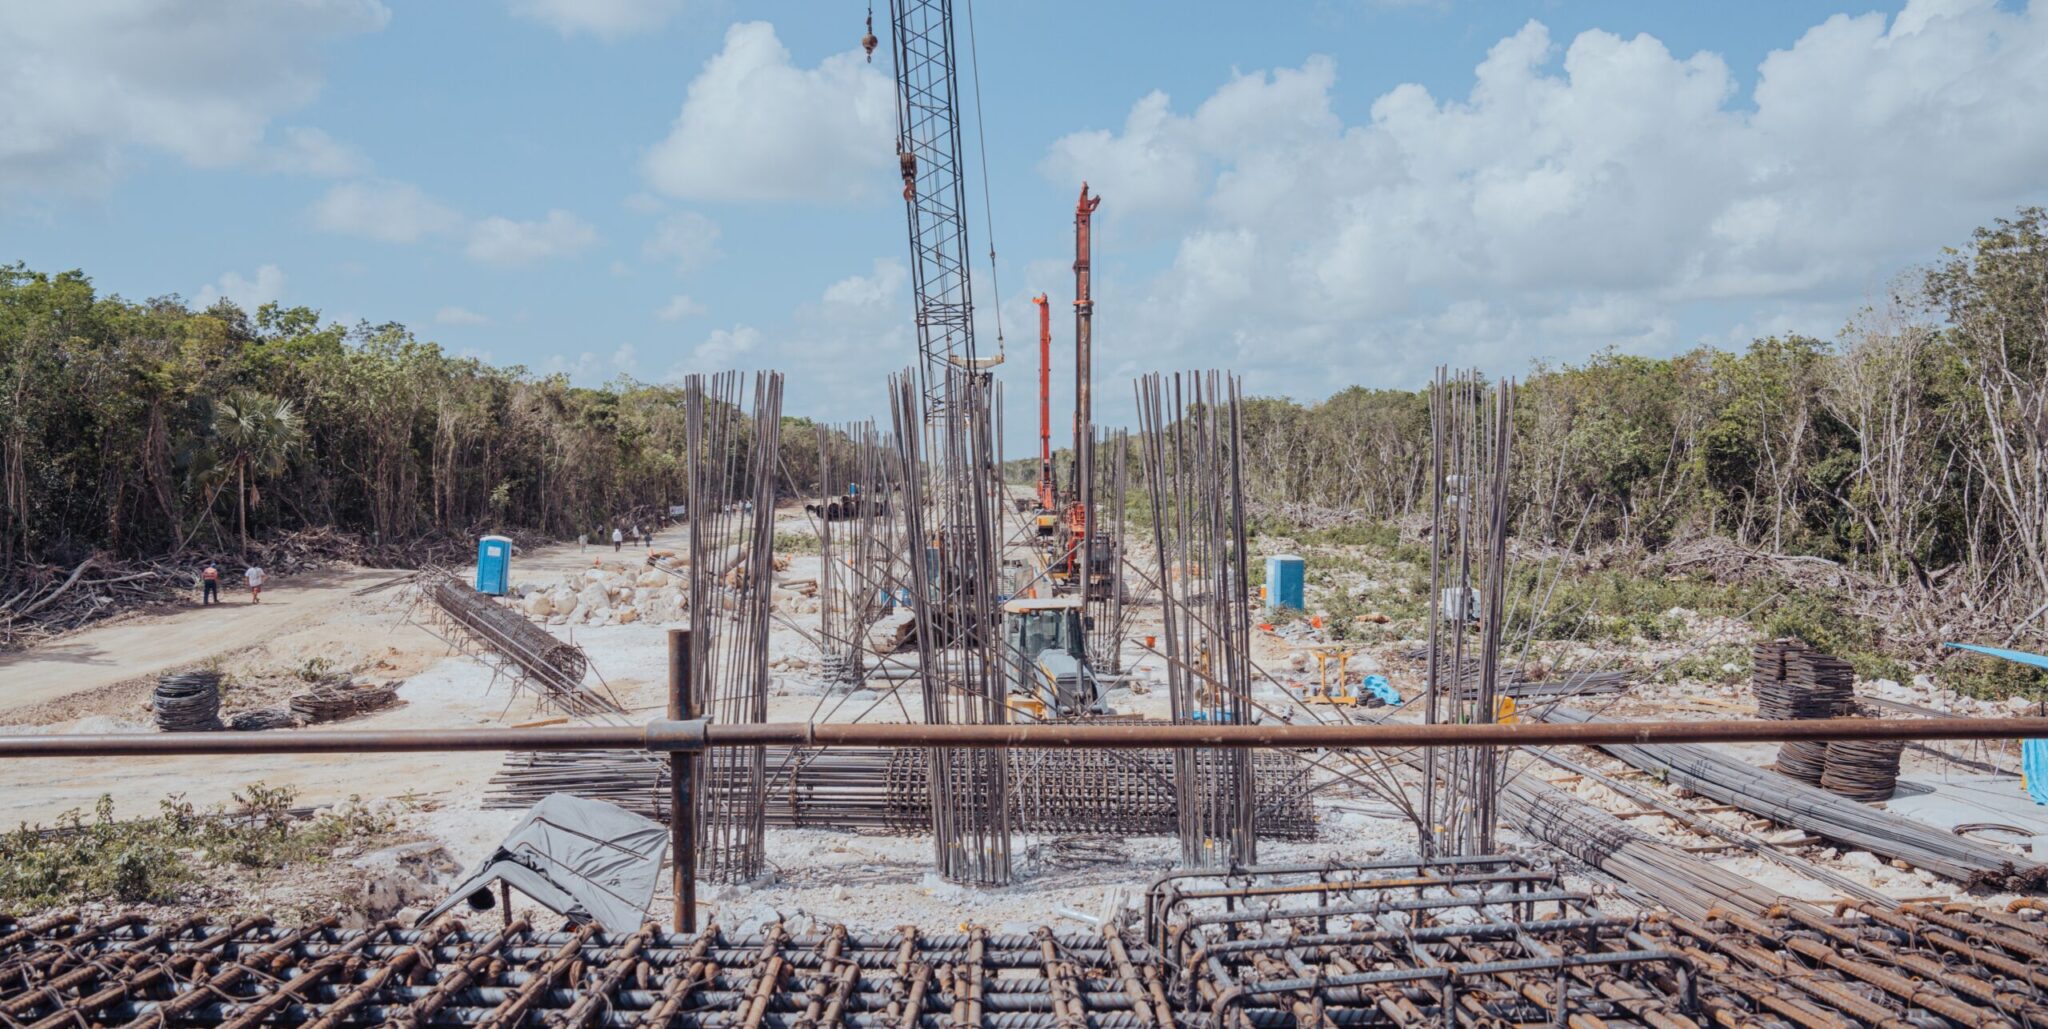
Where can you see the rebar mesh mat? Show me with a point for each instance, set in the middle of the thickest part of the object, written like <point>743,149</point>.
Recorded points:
<point>1469,944</point>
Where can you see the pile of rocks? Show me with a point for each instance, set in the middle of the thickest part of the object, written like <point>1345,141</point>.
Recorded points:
<point>620,594</point>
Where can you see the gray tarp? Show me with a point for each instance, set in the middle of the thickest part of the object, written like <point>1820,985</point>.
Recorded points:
<point>584,859</point>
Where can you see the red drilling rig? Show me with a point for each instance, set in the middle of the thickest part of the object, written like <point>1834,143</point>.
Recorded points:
<point>1075,559</point>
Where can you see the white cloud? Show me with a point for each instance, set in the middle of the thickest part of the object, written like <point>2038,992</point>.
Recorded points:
<point>452,315</point>
<point>678,308</point>
<point>605,19</point>
<point>308,151</point>
<point>579,369</point>
<point>724,347</point>
<point>756,127</point>
<point>383,210</point>
<point>201,80</point>
<point>626,358</point>
<point>1605,192</point>
<point>882,287</point>
<point>247,294</point>
<point>502,241</point>
<point>400,212</point>
<point>686,239</point>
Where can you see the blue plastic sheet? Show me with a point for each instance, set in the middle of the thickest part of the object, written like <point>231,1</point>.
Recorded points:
<point>1378,686</point>
<point>2033,753</point>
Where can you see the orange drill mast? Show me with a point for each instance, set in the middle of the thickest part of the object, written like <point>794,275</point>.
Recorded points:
<point>1045,486</point>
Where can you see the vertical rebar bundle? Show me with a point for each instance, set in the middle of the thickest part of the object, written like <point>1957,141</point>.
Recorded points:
<point>1471,434</point>
<point>1193,447</point>
<point>1106,538</point>
<point>859,548</point>
<point>733,442</point>
<point>950,487</point>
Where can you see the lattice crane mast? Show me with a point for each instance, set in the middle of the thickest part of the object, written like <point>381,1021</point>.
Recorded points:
<point>930,159</point>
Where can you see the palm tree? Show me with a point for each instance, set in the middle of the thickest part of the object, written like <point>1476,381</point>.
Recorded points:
<point>254,433</point>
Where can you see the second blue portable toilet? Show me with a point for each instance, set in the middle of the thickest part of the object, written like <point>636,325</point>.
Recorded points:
<point>1286,582</point>
<point>494,565</point>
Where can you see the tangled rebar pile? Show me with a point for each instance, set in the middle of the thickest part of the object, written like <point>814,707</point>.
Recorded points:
<point>187,702</point>
<point>341,698</point>
<point>263,719</point>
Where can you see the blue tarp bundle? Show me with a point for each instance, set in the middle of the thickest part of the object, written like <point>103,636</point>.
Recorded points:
<point>2033,753</point>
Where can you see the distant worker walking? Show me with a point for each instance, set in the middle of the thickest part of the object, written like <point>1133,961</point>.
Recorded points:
<point>618,539</point>
<point>209,585</point>
<point>256,578</point>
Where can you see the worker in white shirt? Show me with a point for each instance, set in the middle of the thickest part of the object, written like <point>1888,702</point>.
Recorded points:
<point>256,578</point>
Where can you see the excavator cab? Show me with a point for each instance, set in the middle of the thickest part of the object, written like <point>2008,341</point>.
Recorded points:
<point>1048,643</point>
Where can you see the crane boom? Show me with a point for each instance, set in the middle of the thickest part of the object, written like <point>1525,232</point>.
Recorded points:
<point>928,154</point>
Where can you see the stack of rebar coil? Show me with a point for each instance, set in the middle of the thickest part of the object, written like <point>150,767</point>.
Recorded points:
<point>1866,770</point>
<point>187,702</point>
<point>1792,680</point>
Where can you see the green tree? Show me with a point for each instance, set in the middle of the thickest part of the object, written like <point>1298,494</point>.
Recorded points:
<point>255,434</point>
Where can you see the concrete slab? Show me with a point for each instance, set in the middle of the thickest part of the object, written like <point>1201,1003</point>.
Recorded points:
<point>1962,799</point>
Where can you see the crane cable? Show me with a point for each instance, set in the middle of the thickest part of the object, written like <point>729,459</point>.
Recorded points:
<point>987,205</point>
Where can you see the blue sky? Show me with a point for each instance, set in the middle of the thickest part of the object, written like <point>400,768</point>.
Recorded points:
<point>1315,194</point>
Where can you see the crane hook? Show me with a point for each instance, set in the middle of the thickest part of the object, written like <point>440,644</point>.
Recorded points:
<point>869,42</point>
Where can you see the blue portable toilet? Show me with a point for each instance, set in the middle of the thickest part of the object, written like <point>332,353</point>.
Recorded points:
<point>1286,582</point>
<point>494,565</point>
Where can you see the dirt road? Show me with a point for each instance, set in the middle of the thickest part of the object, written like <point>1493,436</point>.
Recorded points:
<point>148,643</point>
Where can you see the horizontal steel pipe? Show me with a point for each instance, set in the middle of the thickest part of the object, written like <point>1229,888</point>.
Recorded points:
<point>1036,736</point>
